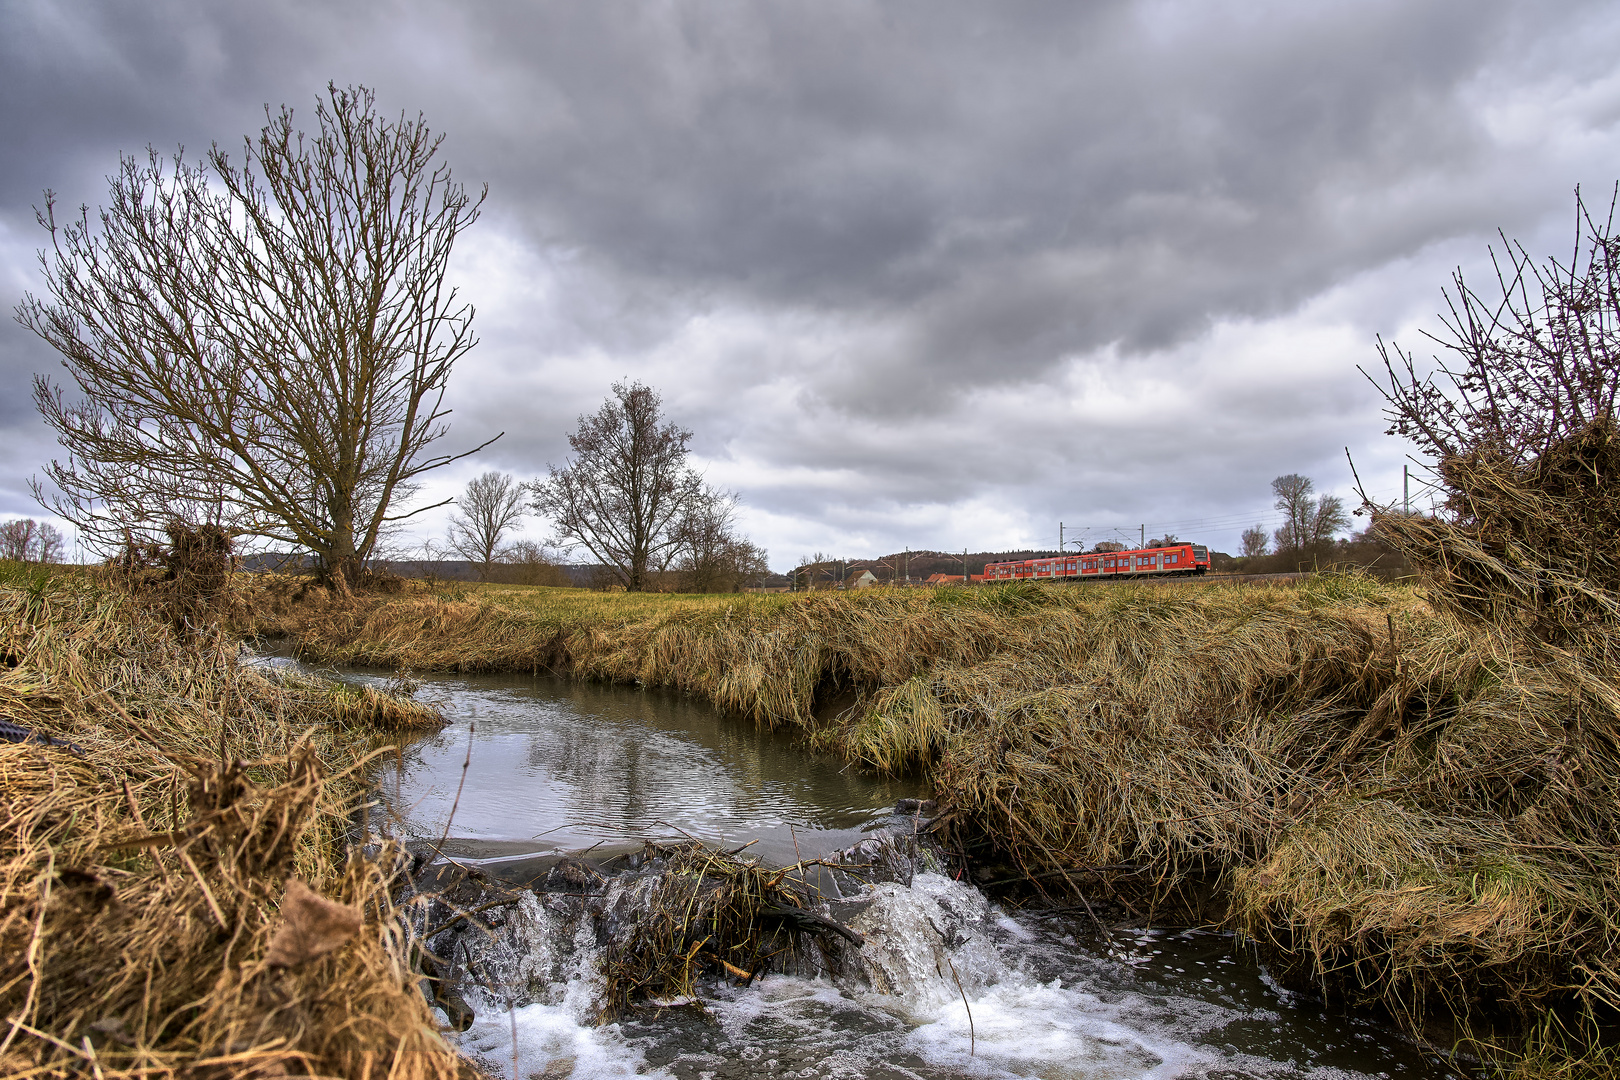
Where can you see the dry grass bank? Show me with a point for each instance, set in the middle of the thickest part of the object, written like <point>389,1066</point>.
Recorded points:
<point>463,627</point>
<point>149,924</point>
<point>1412,809</point>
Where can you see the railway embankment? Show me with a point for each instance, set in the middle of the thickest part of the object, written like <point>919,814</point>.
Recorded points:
<point>1396,802</point>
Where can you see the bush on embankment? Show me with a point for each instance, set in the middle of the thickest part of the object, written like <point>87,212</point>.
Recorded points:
<point>143,870</point>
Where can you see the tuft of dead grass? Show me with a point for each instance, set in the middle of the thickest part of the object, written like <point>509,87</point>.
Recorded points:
<point>142,884</point>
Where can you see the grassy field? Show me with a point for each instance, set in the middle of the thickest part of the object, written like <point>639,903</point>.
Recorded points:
<point>147,926</point>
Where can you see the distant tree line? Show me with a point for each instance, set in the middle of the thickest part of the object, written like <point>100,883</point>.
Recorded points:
<point>1309,535</point>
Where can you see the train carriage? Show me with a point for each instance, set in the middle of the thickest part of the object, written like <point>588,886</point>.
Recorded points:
<point>1174,560</point>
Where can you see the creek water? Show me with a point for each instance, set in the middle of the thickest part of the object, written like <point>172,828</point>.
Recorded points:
<point>535,765</point>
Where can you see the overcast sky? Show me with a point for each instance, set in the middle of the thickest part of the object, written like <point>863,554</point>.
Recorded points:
<point>920,274</point>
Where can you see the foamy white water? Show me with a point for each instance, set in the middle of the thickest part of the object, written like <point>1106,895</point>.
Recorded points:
<point>956,989</point>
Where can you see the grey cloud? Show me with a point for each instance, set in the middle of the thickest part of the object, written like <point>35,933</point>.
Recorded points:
<point>924,197</point>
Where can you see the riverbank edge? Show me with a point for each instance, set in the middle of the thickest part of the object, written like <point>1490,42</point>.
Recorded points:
<point>178,895</point>
<point>1264,845</point>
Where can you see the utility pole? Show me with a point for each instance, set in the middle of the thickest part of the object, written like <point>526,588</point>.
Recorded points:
<point>964,567</point>
<point>1142,543</point>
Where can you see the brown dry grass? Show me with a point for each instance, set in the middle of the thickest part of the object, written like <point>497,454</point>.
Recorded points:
<point>140,882</point>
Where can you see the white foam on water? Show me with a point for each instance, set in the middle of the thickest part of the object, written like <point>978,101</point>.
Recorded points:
<point>940,942</point>
<point>551,1042</point>
<point>928,947</point>
<point>556,1035</point>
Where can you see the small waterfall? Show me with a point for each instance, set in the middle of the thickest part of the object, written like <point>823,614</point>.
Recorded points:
<point>944,983</point>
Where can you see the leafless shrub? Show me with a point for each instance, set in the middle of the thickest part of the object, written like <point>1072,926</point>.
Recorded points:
<point>526,562</point>
<point>1519,419</point>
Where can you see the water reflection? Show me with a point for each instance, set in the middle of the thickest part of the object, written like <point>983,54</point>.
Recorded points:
<point>559,765</point>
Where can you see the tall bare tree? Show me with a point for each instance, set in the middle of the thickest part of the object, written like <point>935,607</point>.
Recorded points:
<point>263,346</point>
<point>1307,522</point>
<point>627,491</point>
<point>492,504</point>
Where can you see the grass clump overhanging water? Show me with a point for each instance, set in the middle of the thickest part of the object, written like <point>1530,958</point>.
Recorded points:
<point>177,895</point>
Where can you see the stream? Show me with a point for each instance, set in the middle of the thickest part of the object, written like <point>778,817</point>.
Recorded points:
<point>957,987</point>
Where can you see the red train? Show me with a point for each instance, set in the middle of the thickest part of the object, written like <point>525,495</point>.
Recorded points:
<point>1159,561</point>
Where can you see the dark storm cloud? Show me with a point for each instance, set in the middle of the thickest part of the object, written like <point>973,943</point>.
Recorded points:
<point>1028,180</point>
<point>1063,178</point>
<point>904,203</point>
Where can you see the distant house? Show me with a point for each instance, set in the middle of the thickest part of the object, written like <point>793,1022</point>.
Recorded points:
<point>863,580</point>
<point>942,579</point>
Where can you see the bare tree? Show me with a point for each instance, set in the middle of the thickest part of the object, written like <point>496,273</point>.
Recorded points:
<point>1293,493</point>
<point>27,540</point>
<point>711,556</point>
<point>17,539</point>
<point>1307,523</point>
<point>263,346</point>
<point>1255,541</point>
<point>492,504</point>
<point>627,490</point>
<point>1167,540</point>
<point>48,544</point>
<point>1327,517</point>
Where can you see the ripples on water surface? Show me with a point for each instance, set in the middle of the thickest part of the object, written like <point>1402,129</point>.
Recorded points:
<point>561,766</point>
